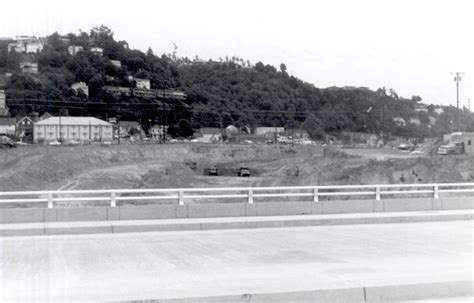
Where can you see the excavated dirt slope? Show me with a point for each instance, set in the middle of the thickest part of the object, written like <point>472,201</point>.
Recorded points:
<point>181,165</point>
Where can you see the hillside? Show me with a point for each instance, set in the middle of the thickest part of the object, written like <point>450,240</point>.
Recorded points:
<point>219,93</point>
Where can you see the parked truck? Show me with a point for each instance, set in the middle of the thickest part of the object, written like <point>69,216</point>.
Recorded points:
<point>451,148</point>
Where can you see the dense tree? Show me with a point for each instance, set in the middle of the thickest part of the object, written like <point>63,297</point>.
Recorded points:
<point>220,93</point>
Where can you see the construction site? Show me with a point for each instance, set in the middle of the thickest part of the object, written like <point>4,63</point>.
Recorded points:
<point>187,165</point>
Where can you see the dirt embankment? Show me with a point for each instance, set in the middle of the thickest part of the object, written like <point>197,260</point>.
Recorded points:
<point>172,166</point>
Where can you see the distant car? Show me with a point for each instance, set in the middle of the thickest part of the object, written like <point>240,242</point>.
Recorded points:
<point>243,172</point>
<point>213,171</point>
<point>6,142</point>
<point>73,142</point>
<point>55,143</point>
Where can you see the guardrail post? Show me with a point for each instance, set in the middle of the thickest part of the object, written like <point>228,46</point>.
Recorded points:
<point>50,200</point>
<point>250,196</point>
<point>436,192</point>
<point>377,193</point>
<point>181,197</point>
<point>113,201</point>
<point>315,194</point>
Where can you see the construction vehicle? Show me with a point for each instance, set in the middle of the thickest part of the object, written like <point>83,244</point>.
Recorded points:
<point>213,171</point>
<point>243,172</point>
<point>452,148</point>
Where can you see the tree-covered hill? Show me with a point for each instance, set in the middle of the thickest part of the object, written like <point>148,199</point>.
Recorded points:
<point>219,93</point>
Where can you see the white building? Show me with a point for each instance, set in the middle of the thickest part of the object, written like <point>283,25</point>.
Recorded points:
<point>29,67</point>
<point>142,83</point>
<point>72,128</point>
<point>26,44</point>
<point>34,47</point>
<point>80,86</point>
<point>7,126</point>
<point>269,130</point>
<point>74,49</point>
<point>97,50</point>
<point>439,110</point>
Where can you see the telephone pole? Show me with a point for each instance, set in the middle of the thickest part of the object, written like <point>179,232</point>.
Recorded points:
<point>457,78</point>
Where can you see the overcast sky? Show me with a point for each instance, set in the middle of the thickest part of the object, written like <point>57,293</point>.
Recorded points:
<point>411,46</point>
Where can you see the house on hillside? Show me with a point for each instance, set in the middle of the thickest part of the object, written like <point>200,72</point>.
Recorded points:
<point>72,128</point>
<point>209,135</point>
<point>28,67</point>
<point>118,90</point>
<point>7,126</point>
<point>415,121</point>
<point>26,44</point>
<point>24,129</point>
<point>421,108</point>
<point>142,83</point>
<point>80,86</point>
<point>399,121</point>
<point>74,49</point>
<point>97,50</point>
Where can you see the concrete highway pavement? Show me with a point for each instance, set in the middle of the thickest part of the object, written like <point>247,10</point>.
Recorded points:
<point>191,264</point>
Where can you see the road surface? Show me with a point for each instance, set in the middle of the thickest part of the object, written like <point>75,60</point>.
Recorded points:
<point>223,262</point>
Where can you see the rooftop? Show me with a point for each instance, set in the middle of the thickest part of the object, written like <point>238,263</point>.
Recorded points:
<point>73,121</point>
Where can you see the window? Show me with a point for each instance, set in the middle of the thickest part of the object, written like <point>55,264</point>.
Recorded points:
<point>50,134</point>
<point>84,134</point>
<point>468,142</point>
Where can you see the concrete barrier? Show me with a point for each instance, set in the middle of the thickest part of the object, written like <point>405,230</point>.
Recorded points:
<point>347,206</point>
<point>396,205</point>
<point>283,208</point>
<point>208,210</point>
<point>81,214</point>
<point>148,212</point>
<point>449,203</point>
<point>216,210</point>
<point>21,215</point>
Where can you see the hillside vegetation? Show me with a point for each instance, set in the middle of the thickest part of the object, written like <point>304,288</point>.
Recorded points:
<point>220,93</point>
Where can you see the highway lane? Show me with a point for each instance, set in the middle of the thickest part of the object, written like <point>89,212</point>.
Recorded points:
<point>223,262</point>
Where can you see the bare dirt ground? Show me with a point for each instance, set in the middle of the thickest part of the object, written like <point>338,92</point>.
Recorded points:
<point>185,165</point>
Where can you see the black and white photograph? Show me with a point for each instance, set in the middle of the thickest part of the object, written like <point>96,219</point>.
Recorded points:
<point>261,151</point>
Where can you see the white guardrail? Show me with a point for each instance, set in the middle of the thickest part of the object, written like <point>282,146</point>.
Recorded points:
<point>180,195</point>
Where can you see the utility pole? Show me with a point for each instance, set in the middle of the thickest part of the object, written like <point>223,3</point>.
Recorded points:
<point>457,78</point>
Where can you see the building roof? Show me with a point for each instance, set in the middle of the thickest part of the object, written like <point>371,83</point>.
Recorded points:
<point>73,121</point>
<point>7,121</point>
